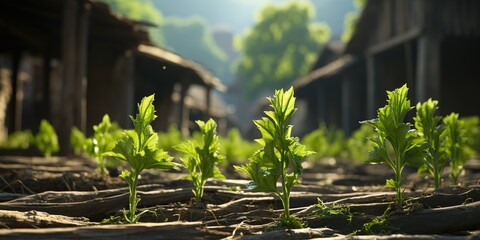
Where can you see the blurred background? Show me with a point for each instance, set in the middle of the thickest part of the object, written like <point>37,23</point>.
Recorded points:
<point>72,61</point>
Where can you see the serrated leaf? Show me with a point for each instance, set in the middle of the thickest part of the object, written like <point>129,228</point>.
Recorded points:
<point>146,110</point>
<point>390,183</point>
<point>217,174</point>
<point>138,147</point>
<point>266,128</point>
<point>201,161</point>
<point>281,155</point>
<point>397,143</point>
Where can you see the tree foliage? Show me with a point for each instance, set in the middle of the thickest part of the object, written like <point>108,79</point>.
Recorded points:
<point>351,19</point>
<point>143,10</point>
<point>191,38</point>
<point>280,47</point>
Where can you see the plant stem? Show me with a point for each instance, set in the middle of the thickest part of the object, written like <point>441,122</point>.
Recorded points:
<point>198,192</point>
<point>436,174</point>
<point>285,197</point>
<point>133,199</point>
<point>398,184</point>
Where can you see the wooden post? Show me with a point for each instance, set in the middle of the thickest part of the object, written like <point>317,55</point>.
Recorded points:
<point>67,102</point>
<point>409,64</point>
<point>183,111</point>
<point>81,76</point>
<point>322,106</point>
<point>428,68</point>
<point>46,91</point>
<point>346,106</point>
<point>17,92</point>
<point>371,87</point>
<point>208,102</point>
<point>5,98</point>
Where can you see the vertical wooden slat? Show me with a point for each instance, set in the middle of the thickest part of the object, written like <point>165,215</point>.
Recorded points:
<point>47,73</point>
<point>183,117</point>
<point>5,98</point>
<point>428,68</point>
<point>346,107</point>
<point>371,88</point>
<point>409,64</point>
<point>81,73</point>
<point>66,106</point>
<point>17,92</point>
<point>208,101</point>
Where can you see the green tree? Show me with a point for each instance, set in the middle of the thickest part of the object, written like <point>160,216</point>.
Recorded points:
<point>351,19</point>
<point>279,48</point>
<point>191,38</point>
<point>142,10</point>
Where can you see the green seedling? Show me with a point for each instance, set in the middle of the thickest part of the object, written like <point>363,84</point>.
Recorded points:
<point>169,139</point>
<point>235,148</point>
<point>325,142</point>
<point>138,148</point>
<point>397,144</point>
<point>429,129</point>
<point>358,143</point>
<point>77,140</point>
<point>280,157</point>
<point>18,140</point>
<point>327,210</point>
<point>201,161</point>
<point>456,147</point>
<point>379,225</point>
<point>46,139</point>
<point>101,142</point>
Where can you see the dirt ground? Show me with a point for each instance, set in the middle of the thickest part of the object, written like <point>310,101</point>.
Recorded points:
<point>65,198</point>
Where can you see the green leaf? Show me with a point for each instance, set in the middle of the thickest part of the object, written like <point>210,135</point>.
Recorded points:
<point>263,180</point>
<point>266,128</point>
<point>396,142</point>
<point>390,183</point>
<point>138,147</point>
<point>281,156</point>
<point>46,139</point>
<point>201,161</point>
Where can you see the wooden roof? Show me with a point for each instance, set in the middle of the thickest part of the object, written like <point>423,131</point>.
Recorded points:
<point>384,20</point>
<point>324,72</point>
<point>163,61</point>
<point>35,26</point>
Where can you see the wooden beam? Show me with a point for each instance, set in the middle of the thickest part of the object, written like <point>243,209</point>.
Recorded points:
<point>66,106</point>
<point>208,101</point>
<point>395,41</point>
<point>183,117</point>
<point>322,105</point>
<point>81,73</point>
<point>409,66</point>
<point>427,80</point>
<point>346,106</point>
<point>371,87</point>
<point>15,104</point>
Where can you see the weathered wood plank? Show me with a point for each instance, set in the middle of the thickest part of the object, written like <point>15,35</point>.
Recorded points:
<point>144,231</point>
<point>36,219</point>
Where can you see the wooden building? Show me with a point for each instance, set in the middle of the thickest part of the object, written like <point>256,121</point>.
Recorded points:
<point>71,61</point>
<point>428,44</point>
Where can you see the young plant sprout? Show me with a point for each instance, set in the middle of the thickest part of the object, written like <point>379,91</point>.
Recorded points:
<point>280,157</point>
<point>455,145</point>
<point>77,140</point>
<point>397,144</point>
<point>101,142</point>
<point>427,124</point>
<point>46,139</point>
<point>138,148</point>
<point>201,161</point>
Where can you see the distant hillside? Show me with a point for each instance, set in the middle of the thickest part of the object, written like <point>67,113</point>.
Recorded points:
<point>240,14</point>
